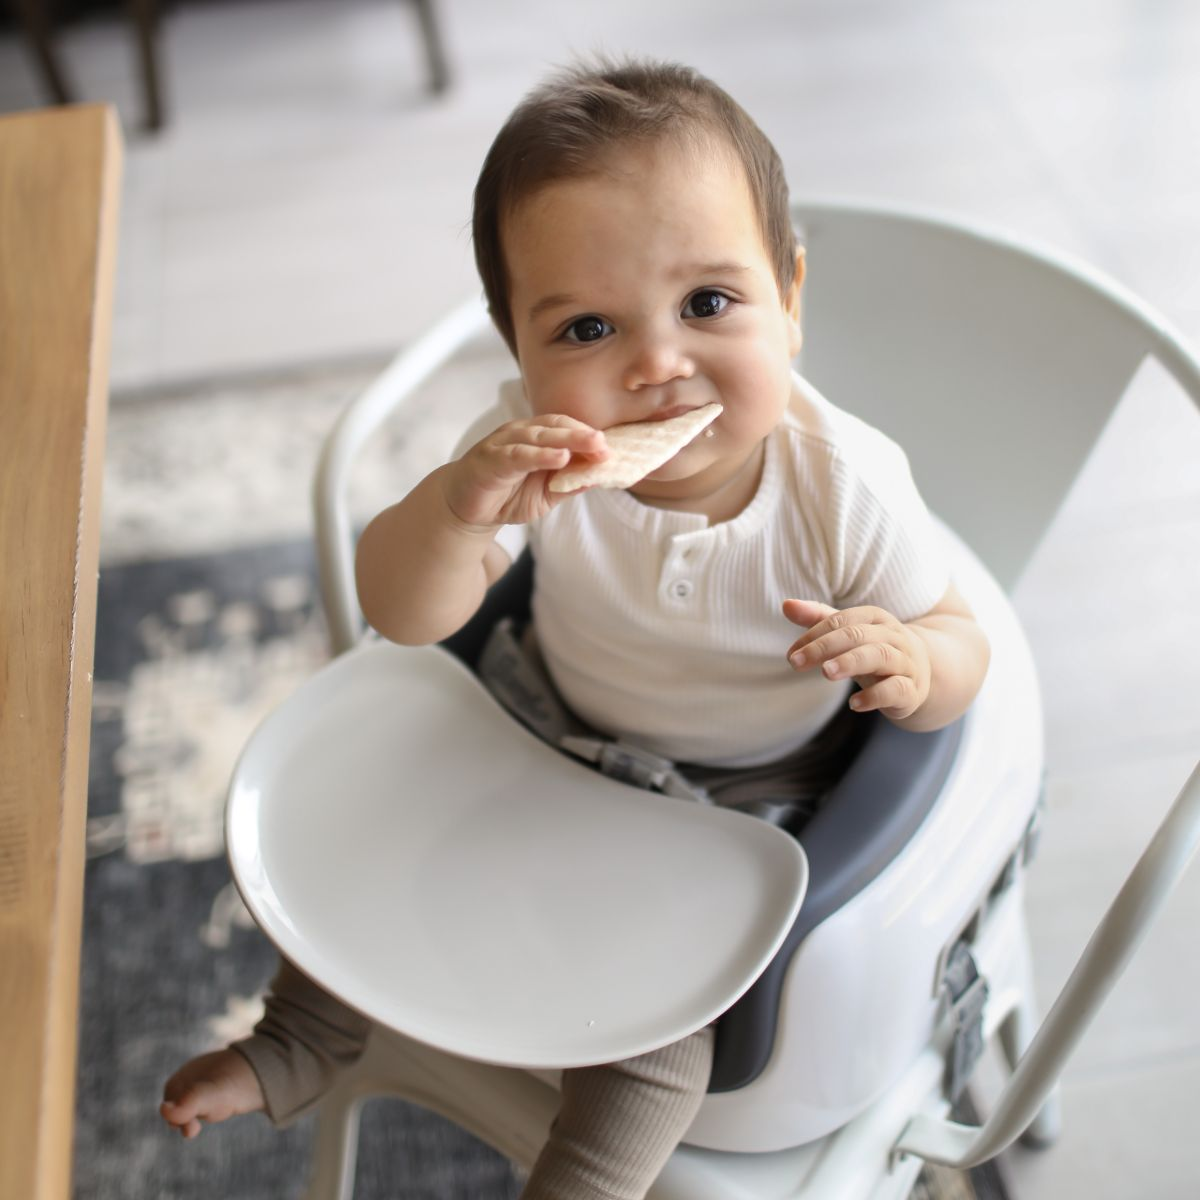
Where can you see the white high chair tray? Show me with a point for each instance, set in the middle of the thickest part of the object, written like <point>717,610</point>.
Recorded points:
<point>406,843</point>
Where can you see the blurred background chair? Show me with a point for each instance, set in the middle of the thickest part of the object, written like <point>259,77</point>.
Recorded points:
<point>38,20</point>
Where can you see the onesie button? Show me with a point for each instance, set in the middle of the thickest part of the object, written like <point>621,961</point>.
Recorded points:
<point>681,589</point>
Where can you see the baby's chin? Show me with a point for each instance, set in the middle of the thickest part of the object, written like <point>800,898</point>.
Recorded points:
<point>672,479</point>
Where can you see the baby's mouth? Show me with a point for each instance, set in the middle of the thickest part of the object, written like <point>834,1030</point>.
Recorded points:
<point>676,410</point>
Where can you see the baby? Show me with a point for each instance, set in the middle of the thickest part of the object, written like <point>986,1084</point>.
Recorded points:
<point>631,227</point>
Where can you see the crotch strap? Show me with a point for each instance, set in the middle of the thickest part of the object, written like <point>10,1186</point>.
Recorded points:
<point>517,678</point>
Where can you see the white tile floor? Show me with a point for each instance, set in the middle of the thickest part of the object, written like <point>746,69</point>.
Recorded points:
<point>308,202</point>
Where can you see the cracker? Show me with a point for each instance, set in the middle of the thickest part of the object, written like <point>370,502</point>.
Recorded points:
<point>634,450</point>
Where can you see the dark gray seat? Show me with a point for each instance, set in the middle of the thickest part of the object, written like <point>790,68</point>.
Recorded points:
<point>862,826</point>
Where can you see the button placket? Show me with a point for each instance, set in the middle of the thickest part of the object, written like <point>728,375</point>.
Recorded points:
<point>677,584</point>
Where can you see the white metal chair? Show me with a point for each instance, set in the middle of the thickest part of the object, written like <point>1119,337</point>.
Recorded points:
<point>976,353</point>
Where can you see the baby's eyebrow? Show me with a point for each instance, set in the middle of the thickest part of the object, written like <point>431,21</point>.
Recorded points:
<point>713,268</point>
<point>555,300</point>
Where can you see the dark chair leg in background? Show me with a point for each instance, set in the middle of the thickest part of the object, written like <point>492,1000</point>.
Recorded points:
<point>145,20</point>
<point>435,50</point>
<point>37,20</point>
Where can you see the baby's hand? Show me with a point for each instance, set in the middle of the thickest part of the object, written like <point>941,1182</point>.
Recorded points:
<point>887,659</point>
<point>502,479</point>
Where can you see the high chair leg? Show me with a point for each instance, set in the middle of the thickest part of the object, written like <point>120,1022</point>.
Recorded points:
<point>335,1147</point>
<point>509,1109</point>
<point>1015,1034</point>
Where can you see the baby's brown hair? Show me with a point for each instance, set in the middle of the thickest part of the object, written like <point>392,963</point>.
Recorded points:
<point>565,128</point>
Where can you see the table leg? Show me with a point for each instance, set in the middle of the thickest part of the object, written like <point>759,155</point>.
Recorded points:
<point>435,50</point>
<point>38,21</point>
<point>145,19</point>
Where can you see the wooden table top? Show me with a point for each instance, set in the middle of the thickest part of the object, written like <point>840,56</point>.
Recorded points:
<point>59,180</point>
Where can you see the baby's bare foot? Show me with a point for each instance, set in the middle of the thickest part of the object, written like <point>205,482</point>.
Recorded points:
<point>210,1088</point>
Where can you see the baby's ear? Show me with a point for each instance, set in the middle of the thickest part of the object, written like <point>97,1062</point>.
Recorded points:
<point>793,306</point>
<point>793,293</point>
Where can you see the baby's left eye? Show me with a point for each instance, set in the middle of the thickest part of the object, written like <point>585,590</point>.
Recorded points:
<point>705,304</point>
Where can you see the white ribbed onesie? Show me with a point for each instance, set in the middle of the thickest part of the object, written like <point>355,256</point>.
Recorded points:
<point>666,631</point>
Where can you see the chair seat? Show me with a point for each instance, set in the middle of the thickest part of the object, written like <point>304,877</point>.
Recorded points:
<point>410,846</point>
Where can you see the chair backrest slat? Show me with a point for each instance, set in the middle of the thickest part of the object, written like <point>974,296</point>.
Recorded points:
<point>995,368</point>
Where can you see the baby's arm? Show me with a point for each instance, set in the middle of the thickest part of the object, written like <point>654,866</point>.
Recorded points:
<point>423,565</point>
<point>921,674</point>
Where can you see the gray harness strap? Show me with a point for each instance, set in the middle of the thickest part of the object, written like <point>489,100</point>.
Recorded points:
<point>521,684</point>
<point>519,681</point>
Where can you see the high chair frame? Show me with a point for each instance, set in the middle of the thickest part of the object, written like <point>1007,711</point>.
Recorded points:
<point>905,313</point>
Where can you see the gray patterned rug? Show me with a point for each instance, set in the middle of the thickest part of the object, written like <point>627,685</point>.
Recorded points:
<point>207,619</point>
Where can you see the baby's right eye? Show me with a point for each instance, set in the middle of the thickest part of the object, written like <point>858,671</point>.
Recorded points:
<point>587,329</point>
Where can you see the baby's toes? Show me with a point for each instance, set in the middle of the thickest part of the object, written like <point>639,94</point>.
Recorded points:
<point>178,1116</point>
<point>189,1127</point>
<point>207,1100</point>
<point>189,1102</point>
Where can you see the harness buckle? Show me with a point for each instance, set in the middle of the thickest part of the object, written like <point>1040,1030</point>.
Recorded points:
<point>520,683</point>
<point>968,991</point>
<point>633,765</point>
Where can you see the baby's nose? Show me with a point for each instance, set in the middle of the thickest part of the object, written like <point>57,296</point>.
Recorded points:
<point>656,360</point>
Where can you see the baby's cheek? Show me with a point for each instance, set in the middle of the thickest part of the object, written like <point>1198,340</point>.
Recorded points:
<point>567,401</point>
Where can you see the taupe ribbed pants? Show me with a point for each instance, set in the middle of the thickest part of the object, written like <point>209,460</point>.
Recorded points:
<point>617,1125</point>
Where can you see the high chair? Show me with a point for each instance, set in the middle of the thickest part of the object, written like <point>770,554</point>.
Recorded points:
<point>501,911</point>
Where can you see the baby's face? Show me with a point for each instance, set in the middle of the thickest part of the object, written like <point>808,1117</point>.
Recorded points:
<point>645,291</point>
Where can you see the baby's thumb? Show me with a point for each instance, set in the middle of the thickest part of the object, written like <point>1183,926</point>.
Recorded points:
<point>807,612</point>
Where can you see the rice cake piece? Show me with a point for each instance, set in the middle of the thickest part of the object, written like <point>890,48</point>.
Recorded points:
<point>635,449</point>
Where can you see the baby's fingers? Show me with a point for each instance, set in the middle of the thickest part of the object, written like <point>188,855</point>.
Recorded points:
<point>807,612</point>
<point>835,631</point>
<point>557,431</point>
<point>521,458</point>
<point>522,448</point>
<point>856,652</point>
<point>896,695</point>
<point>816,618</point>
